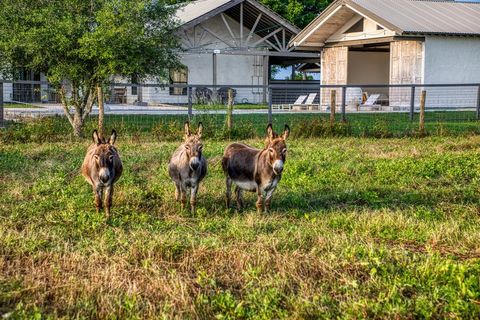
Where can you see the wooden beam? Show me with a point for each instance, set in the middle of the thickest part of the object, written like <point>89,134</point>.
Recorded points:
<point>216,36</point>
<point>252,31</point>
<point>228,28</point>
<point>241,25</point>
<point>267,36</point>
<point>188,39</point>
<point>273,45</point>
<point>278,41</point>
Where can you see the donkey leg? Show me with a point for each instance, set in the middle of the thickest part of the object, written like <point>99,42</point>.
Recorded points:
<point>108,199</point>
<point>259,201</point>
<point>193,197</point>
<point>239,193</point>
<point>177,191</point>
<point>98,197</point>
<point>268,200</point>
<point>228,194</point>
<point>183,196</point>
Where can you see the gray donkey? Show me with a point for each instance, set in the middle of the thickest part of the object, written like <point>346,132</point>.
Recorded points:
<point>187,166</point>
<point>256,170</point>
<point>101,168</point>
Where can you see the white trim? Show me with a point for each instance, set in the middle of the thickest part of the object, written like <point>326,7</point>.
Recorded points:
<point>358,12</point>
<point>296,44</point>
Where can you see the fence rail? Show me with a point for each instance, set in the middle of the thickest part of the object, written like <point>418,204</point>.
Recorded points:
<point>390,104</point>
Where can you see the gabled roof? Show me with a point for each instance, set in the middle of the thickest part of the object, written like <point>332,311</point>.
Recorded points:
<point>198,11</point>
<point>404,17</point>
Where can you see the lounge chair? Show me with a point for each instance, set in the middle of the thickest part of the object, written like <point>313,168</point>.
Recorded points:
<point>308,103</point>
<point>297,102</point>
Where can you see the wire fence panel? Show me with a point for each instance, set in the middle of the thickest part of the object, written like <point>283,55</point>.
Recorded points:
<point>360,110</point>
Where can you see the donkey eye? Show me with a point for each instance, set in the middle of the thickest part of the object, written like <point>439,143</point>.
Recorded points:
<point>271,150</point>
<point>284,150</point>
<point>187,147</point>
<point>110,158</point>
<point>200,147</point>
<point>96,157</point>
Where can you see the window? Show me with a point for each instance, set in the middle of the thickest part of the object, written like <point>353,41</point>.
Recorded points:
<point>357,27</point>
<point>179,76</point>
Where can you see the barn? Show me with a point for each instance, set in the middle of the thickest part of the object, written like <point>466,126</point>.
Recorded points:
<point>365,42</point>
<point>226,43</point>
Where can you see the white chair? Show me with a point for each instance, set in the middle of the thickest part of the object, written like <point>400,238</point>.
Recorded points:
<point>309,102</point>
<point>297,102</point>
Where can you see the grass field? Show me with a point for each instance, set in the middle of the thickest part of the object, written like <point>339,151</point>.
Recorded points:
<point>359,228</point>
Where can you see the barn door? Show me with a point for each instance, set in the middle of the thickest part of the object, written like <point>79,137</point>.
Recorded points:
<point>406,67</point>
<point>334,71</point>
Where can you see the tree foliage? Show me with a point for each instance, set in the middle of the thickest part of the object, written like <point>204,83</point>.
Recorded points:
<point>298,12</point>
<point>81,44</point>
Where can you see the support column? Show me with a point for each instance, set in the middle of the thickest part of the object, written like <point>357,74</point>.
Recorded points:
<point>214,78</point>
<point>266,78</point>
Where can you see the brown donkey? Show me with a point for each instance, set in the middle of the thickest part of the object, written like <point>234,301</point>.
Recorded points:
<point>188,166</point>
<point>255,170</point>
<point>101,168</point>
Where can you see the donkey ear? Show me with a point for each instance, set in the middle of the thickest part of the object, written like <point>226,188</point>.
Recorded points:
<point>270,133</point>
<point>186,126</point>
<point>286,133</point>
<point>200,130</point>
<point>96,139</point>
<point>113,137</point>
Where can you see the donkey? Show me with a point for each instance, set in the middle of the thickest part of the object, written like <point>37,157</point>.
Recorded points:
<point>101,168</point>
<point>187,166</point>
<point>255,170</point>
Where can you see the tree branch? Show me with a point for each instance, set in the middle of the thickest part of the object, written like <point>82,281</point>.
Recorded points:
<point>63,98</point>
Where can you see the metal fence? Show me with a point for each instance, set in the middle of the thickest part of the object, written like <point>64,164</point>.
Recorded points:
<point>363,107</point>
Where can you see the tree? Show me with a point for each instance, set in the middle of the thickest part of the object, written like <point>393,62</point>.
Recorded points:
<point>80,45</point>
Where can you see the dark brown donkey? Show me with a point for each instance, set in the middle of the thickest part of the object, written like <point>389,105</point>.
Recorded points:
<point>101,168</point>
<point>256,170</point>
<point>188,166</point>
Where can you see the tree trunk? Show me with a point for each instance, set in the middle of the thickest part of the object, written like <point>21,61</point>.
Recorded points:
<point>77,125</point>
<point>101,110</point>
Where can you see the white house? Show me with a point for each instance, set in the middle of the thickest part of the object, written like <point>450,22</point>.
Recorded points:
<point>226,43</point>
<point>396,42</point>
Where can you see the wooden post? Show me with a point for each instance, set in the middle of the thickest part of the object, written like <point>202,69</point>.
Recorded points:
<point>230,109</point>
<point>344,103</point>
<point>190,111</point>
<point>422,113</point>
<point>1,105</point>
<point>333,103</point>
<point>101,110</point>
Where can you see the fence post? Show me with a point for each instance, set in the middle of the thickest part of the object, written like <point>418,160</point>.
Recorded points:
<point>478,103</point>
<point>270,116</point>
<point>344,97</point>
<point>189,94</point>
<point>1,105</point>
<point>412,103</point>
<point>230,109</point>
<point>333,103</point>
<point>421,128</point>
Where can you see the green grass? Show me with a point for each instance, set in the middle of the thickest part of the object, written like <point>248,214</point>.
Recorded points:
<point>21,106</point>
<point>240,106</point>
<point>168,127</point>
<point>359,228</point>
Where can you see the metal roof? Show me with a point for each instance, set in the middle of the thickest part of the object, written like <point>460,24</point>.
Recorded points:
<point>405,17</point>
<point>201,10</point>
<point>425,16</point>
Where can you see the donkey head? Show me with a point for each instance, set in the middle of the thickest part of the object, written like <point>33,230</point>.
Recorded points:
<point>193,145</point>
<point>277,148</point>
<point>104,156</point>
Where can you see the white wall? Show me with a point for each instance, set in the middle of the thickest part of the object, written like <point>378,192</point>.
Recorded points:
<point>368,67</point>
<point>452,60</point>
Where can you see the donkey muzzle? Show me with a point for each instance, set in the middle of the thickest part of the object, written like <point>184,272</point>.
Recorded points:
<point>194,163</point>
<point>278,166</point>
<point>104,176</point>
